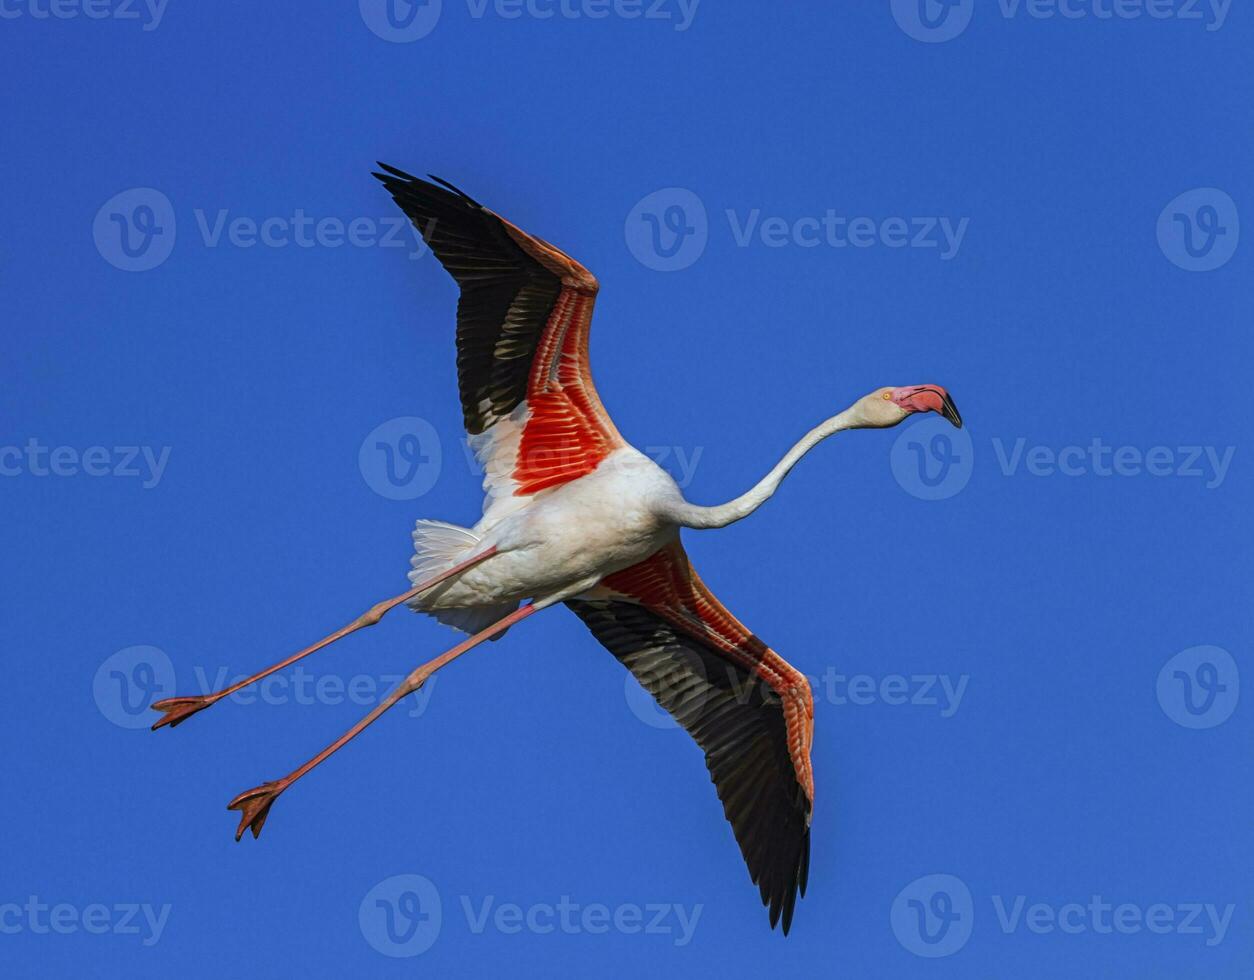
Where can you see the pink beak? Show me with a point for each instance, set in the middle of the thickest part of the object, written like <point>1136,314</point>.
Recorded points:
<point>928,398</point>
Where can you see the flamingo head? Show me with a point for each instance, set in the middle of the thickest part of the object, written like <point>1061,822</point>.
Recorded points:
<point>887,407</point>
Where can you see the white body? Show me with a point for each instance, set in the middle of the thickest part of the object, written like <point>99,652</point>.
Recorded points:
<point>562,541</point>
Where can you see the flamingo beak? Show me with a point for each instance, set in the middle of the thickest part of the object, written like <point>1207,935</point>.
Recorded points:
<point>929,398</point>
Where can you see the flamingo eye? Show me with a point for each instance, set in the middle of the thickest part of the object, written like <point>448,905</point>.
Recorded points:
<point>887,395</point>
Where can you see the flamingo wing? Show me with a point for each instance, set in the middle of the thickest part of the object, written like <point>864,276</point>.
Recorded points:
<point>748,709</point>
<point>530,407</point>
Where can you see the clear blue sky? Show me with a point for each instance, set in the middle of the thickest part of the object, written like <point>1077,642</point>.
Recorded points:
<point>786,209</point>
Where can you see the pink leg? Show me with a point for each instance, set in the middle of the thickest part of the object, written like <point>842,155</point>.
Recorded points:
<point>179,709</point>
<point>254,804</point>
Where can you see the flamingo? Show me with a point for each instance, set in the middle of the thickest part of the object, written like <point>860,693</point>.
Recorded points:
<point>574,514</point>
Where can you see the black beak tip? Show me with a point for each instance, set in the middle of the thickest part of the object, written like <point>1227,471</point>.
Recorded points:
<point>951,412</point>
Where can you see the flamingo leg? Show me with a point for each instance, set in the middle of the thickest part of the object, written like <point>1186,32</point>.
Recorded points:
<point>254,804</point>
<point>179,709</point>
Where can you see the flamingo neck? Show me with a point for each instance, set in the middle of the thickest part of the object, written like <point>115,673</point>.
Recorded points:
<point>696,516</point>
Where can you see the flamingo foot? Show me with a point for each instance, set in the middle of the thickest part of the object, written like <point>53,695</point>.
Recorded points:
<point>178,710</point>
<point>254,806</point>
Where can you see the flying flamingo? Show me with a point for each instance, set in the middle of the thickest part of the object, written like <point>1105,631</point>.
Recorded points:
<point>575,514</point>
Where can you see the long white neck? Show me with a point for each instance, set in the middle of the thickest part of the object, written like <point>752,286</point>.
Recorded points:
<point>695,516</point>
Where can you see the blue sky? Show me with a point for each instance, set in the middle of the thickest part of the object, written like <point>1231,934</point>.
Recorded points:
<point>1026,640</point>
